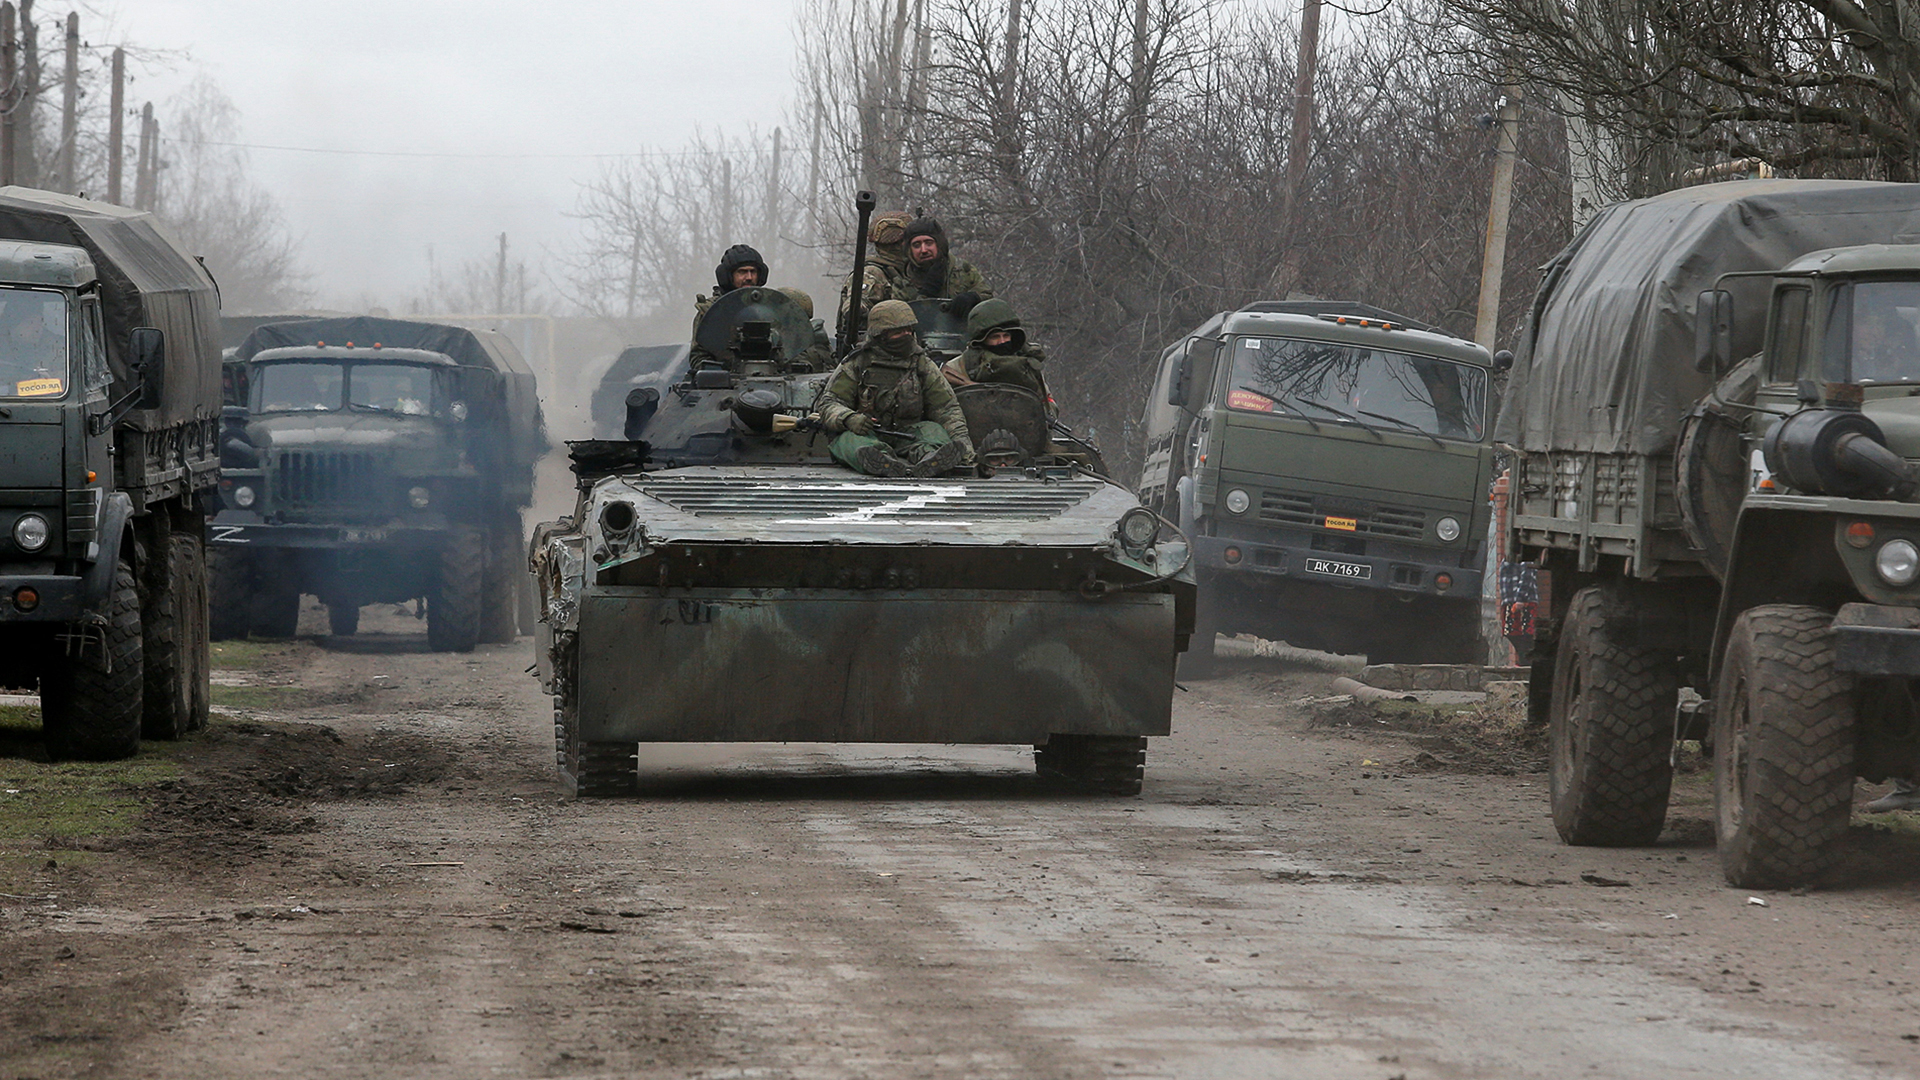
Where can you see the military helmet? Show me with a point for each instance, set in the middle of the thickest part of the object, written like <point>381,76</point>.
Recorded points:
<point>994,314</point>
<point>890,315</point>
<point>800,297</point>
<point>737,256</point>
<point>889,228</point>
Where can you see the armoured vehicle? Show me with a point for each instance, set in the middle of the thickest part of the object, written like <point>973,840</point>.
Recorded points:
<point>376,460</point>
<point>720,580</point>
<point>109,414</point>
<point>636,366</point>
<point>1715,425</point>
<point>1330,462</point>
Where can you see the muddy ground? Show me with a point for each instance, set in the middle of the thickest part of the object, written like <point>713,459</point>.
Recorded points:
<point>363,870</point>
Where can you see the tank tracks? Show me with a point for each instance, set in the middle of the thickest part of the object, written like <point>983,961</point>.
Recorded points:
<point>1102,764</point>
<point>588,770</point>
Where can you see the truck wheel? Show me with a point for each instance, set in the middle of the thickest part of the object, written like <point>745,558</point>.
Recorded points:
<point>506,565</point>
<point>90,702</point>
<point>200,636</point>
<point>275,610</point>
<point>1108,764</point>
<point>1610,732</point>
<point>170,622</point>
<point>229,592</point>
<point>453,612</point>
<point>1784,726</point>
<point>343,618</point>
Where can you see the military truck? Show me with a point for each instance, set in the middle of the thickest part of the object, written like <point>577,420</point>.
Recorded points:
<point>109,413</point>
<point>1714,430</point>
<point>1330,461</point>
<point>721,580</point>
<point>377,461</point>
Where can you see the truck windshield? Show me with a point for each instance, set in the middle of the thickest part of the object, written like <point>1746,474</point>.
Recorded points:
<point>1433,396</point>
<point>297,387</point>
<point>401,388</point>
<point>1882,345</point>
<point>33,344</point>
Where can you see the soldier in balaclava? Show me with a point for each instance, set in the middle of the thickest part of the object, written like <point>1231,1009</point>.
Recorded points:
<point>889,408</point>
<point>998,352</point>
<point>741,267</point>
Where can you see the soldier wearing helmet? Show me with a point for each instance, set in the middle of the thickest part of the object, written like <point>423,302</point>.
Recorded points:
<point>891,411</point>
<point>998,352</point>
<point>741,267</point>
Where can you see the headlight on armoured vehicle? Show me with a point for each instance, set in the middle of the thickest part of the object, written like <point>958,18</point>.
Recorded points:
<point>1897,562</point>
<point>243,496</point>
<point>617,517</point>
<point>1448,529</point>
<point>1138,527</point>
<point>457,410</point>
<point>1237,501</point>
<point>419,497</point>
<point>30,533</point>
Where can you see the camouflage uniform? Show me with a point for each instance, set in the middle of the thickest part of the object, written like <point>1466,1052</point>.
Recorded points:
<point>900,391</point>
<point>891,275</point>
<point>818,355</point>
<point>979,364</point>
<point>737,256</point>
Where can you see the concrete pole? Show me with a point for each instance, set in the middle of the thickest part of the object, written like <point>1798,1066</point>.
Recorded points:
<point>772,228</point>
<point>70,107</point>
<point>9,76</point>
<point>116,126</point>
<point>1493,261</point>
<point>146,168</point>
<point>500,280</point>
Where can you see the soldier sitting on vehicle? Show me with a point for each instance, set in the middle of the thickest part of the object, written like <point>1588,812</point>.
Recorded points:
<point>741,267</point>
<point>891,411</point>
<point>911,262</point>
<point>818,355</point>
<point>998,352</point>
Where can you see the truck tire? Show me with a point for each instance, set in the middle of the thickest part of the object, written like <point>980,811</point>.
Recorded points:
<point>274,609</point>
<point>1610,733</point>
<point>200,635</point>
<point>499,602</point>
<point>453,612</point>
<point>1784,727</point>
<point>229,592</point>
<point>343,619</point>
<point>90,703</point>
<point>1107,764</point>
<point>171,621</point>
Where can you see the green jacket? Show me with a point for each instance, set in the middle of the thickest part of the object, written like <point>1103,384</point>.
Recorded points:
<point>1021,368</point>
<point>888,278</point>
<point>897,393</point>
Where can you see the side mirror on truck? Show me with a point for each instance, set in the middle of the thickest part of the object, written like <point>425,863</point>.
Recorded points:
<point>1195,369</point>
<point>1713,332</point>
<point>147,355</point>
<point>1502,361</point>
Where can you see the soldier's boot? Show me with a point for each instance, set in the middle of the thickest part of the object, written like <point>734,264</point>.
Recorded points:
<point>879,461</point>
<point>943,457</point>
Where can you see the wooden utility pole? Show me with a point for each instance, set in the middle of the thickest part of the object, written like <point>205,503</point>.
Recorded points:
<point>1010,64</point>
<point>1493,261</point>
<point>70,107</point>
<point>500,280</point>
<point>9,76</point>
<point>1299,148</point>
<point>26,106</point>
<point>772,228</point>
<point>116,126</point>
<point>143,164</point>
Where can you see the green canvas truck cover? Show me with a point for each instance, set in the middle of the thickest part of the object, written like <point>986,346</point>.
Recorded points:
<point>146,279</point>
<point>490,349</point>
<point>1605,364</point>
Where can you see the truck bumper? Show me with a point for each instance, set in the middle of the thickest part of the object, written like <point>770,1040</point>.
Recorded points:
<point>1217,557</point>
<point>1877,639</point>
<point>63,599</point>
<point>823,665</point>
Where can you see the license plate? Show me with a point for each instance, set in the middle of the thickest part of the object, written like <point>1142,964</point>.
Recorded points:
<point>1354,571</point>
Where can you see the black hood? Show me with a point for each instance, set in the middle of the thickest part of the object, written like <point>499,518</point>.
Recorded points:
<point>930,277</point>
<point>737,256</point>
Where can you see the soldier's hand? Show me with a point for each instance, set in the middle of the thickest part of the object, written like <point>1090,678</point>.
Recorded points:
<point>963,303</point>
<point>860,424</point>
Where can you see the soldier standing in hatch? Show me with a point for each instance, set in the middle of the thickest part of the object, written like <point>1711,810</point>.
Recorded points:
<point>889,408</point>
<point>998,352</point>
<point>911,262</point>
<point>817,355</point>
<point>741,267</point>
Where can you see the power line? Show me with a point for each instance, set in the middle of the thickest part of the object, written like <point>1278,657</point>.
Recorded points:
<point>441,154</point>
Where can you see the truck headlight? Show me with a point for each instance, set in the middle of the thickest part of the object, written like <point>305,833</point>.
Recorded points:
<point>243,496</point>
<point>30,533</point>
<point>1897,562</point>
<point>457,410</point>
<point>1237,501</point>
<point>1138,527</point>
<point>419,497</point>
<point>1448,529</point>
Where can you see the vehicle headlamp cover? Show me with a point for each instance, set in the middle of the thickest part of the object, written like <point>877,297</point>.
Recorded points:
<point>243,496</point>
<point>1897,562</point>
<point>1447,528</point>
<point>1238,501</point>
<point>30,532</point>
<point>1138,527</point>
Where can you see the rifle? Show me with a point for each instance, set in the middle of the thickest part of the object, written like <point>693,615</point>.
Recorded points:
<point>852,317</point>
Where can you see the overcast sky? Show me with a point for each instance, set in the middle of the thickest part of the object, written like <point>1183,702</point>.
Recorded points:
<point>554,83</point>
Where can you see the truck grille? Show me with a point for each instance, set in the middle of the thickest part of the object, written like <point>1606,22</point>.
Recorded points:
<point>310,478</point>
<point>1279,508</point>
<point>870,500</point>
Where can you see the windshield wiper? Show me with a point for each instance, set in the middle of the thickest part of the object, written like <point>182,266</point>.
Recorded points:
<point>363,407</point>
<point>1409,425</point>
<point>1344,415</point>
<point>1283,403</point>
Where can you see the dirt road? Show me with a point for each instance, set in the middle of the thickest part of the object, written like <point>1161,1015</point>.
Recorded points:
<point>363,871</point>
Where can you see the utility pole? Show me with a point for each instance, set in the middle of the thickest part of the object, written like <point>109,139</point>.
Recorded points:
<point>9,75</point>
<point>726,202</point>
<point>26,103</point>
<point>1299,147</point>
<point>1493,262</point>
<point>116,126</point>
<point>500,280</point>
<point>143,166</point>
<point>70,106</point>
<point>772,228</point>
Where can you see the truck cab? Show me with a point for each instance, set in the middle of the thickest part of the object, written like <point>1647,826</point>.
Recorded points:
<point>1330,462</point>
